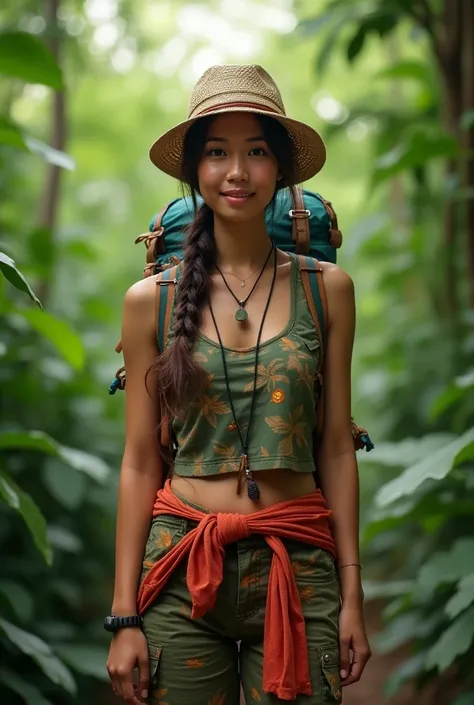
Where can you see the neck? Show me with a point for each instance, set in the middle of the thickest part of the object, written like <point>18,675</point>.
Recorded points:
<point>241,247</point>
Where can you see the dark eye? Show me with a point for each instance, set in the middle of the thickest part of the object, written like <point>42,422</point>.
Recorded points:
<point>215,152</point>
<point>258,152</point>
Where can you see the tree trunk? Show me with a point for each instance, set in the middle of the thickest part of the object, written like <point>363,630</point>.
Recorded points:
<point>48,205</point>
<point>468,138</point>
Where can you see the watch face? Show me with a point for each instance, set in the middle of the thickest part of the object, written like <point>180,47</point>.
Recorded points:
<point>109,623</point>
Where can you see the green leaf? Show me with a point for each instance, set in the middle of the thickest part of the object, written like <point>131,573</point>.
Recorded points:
<point>28,440</point>
<point>51,155</point>
<point>10,134</point>
<point>59,333</point>
<point>15,277</point>
<point>42,654</point>
<point>414,70</point>
<point>409,451</point>
<point>447,566</point>
<point>29,511</point>
<point>467,120</point>
<point>465,699</point>
<point>85,462</point>
<point>463,598</point>
<point>63,539</point>
<point>356,44</point>
<point>24,56</point>
<point>69,488</point>
<point>37,440</point>
<point>20,599</point>
<point>435,466</point>
<point>455,641</point>
<point>29,693</point>
<point>416,151</point>
<point>409,669</point>
<point>86,659</point>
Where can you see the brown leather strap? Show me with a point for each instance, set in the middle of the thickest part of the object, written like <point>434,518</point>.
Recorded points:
<point>300,216</point>
<point>335,235</point>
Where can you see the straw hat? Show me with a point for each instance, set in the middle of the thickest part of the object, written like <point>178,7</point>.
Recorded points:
<point>225,89</point>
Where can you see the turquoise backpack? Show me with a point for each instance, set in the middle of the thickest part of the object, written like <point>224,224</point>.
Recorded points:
<point>306,226</point>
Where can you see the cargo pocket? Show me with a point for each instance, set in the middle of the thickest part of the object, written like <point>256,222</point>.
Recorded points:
<point>156,692</point>
<point>165,532</point>
<point>330,677</point>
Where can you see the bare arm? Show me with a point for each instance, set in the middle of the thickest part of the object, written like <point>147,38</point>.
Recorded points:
<point>337,465</point>
<point>142,471</point>
<point>337,468</point>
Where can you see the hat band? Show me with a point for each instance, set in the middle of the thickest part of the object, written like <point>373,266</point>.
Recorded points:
<point>238,104</point>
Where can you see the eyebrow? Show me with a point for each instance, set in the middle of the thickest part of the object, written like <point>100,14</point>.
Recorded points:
<point>257,138</point>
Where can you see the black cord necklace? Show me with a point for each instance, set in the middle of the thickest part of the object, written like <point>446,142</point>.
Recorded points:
<point>241,313</point>
<point>253,490</point>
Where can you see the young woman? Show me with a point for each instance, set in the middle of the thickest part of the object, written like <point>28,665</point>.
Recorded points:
<point>243,547</point>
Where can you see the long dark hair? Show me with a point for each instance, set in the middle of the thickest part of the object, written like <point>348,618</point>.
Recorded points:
<point>179,377</point>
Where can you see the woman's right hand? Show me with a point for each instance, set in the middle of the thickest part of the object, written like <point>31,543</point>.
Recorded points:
<point>129,650</point>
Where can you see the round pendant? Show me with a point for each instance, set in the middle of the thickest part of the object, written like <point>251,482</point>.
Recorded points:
<point>241,314</point>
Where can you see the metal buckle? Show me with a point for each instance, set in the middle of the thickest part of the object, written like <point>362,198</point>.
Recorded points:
<point>298,213</point>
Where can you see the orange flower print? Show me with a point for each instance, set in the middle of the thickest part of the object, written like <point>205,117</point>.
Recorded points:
<point>194,663</point>
<point>198,469</point>
<point>232,426</point>
<point>306,593</point>
<point>230,461</point>
<point>148,564</point>
<point>211,407</point>
<point>267,375</point>
<point>302,568</point>
<point>294,430</point>
<point>278,395</point>
<point>305,376</point>
<point>165,539</point>
<point>288,345</point>
<point>200,357</point>
<point>157,696</point>
<point>247,580</point>
<point>218,698</point>
<point>264,452</point>
<point>255,695</point>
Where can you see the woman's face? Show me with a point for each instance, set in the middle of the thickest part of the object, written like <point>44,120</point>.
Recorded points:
<point>237,172</point>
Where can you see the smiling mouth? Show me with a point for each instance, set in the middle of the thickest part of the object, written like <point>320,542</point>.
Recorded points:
<point>237,195</point>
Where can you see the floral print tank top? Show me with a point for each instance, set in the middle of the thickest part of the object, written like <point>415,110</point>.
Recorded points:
<point>284,417</point>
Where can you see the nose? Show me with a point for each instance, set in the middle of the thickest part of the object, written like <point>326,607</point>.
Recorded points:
<point>237,170</point>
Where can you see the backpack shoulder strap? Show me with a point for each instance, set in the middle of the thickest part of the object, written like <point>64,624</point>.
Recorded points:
<point>300,217</point>
<point>313,284</point>
<point>166,283</point>
<point>165,288</point>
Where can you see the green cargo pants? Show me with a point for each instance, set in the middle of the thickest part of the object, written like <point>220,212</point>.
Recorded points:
<point>198,662</point>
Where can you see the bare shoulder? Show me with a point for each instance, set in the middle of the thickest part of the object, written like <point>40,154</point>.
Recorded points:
<point>336,280</point>
<point>141,295</point>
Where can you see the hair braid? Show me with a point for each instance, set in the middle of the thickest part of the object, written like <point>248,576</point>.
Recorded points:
<point>180,376</point>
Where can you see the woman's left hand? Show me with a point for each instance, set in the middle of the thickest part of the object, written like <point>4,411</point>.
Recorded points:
<point>352,638</point>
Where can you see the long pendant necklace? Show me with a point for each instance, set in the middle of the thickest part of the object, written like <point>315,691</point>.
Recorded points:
<point>253,490</point>
<point>241,313</point>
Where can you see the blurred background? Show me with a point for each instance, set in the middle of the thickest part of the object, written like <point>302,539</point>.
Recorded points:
<point>85,88</point>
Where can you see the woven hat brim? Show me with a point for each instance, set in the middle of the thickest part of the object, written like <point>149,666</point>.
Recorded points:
<point>166,152</point>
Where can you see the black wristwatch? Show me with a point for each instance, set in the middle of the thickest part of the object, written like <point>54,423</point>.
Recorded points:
<point>113,623</point>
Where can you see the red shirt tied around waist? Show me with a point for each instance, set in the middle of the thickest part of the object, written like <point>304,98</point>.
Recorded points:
<point>305,519</point>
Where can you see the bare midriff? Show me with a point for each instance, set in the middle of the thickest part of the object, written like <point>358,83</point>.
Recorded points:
<point>218,493</point>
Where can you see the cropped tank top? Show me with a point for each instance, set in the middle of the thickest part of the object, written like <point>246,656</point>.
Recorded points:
<point>284,417</point>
